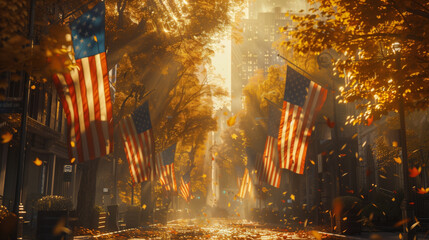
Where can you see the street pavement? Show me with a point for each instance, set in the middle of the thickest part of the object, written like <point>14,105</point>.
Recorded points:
<point>206,229</point>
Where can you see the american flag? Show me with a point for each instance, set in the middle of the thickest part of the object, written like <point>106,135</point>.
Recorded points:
<point>136,131</point>
<point>85,92</point>
<point>165,168</point>
<point>246,185</point>
<point>303,99</point>
<point>185,187</point>
<point>270,173</point>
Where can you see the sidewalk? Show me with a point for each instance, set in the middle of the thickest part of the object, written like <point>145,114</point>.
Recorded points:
<point>374,235</point>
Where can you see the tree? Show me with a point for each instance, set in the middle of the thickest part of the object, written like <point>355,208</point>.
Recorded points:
<point>363,32</point>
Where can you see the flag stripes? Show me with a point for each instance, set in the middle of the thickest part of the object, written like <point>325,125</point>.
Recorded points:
<point>85,95</point>
<point>185,190</point>
<point>246,185</point>
<point>297,122</point>
<point>165,173</point>
<point>270,172</point>
<point>139,149</point>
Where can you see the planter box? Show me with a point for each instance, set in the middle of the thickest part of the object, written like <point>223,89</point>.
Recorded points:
<point>160,216</point>
<point>132,218</point>
<point>46,222</point>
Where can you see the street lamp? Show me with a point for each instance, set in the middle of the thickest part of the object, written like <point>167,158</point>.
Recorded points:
<point>407,210</point>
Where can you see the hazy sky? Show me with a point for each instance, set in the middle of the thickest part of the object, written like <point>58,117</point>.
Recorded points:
<point>222,66</point>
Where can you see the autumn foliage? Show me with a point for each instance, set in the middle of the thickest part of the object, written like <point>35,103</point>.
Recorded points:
<point>364,32</point>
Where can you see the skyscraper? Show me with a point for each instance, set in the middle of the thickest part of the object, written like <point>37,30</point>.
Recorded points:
<point>261,29</point>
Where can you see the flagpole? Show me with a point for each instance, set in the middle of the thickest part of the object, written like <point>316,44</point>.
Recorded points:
<point>276,105</point>
<point>309,75</point>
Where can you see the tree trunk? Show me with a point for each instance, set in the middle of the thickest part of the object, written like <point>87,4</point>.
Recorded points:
<point>86,195</point>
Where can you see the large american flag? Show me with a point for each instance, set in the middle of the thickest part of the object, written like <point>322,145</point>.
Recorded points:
<point>246,185</point>
<point>84,91</point>
<point>270,173</point>
<point>303,99</point>
<point>185,187</point>
<point>136,131</point>
<point>165,168</point>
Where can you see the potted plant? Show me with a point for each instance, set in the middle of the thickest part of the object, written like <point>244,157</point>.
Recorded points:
<point>8,223</point>
<point>52,213</point>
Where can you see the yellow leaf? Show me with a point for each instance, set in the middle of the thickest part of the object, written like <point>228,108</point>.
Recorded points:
<point>6,137</point>
<point>316,234</point>
<point>225,113</point>
<point>144,206</point>
<point>72,144</point>
<point>292,197</point>
<point>354,136</point>
<point>229,204</point>
<point>231,121</point>
<point>33,87</point>
<point>95,38</point>
<point>72,160</point>
<point>398,160</point>
<point>269,204</point>
<point>37,162</point>
<point>284,193</point>
<point>344,146</point>
<point>204,176</point>
<point>234,136</point>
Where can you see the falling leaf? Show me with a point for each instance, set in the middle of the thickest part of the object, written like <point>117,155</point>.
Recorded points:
<point>398,160</point>
<point>401,222</point>
<point>414,172</point>
<point>72,144</point>
<point>344,146</point>
<point>329,123</point>
<point>384,177</point>
<point>231,121</point>
<point>234,136</point>
<point>144,206</point>
<point>363,144</point>
<point>229,204</point>
<point>33,87</point>
<point>360,159</point>
<point>95,38</point>
<point>37,162</point>
<point>395,144</point>
<point>370,120</point>
<point>354,136</point>
<point>292,197</point>
<point>204,175</point>
<point>72,160</point>
<point>414,225</point>
<point>264,189</point>
<point>316,234</point>
<point>269,204</point>
<point>422,190</point>
<point>393,199</point>
<point>6,137</point>
<point>312,162</point>
<point>225,113</point>
<point>284,193</point>
<point>400,235</point>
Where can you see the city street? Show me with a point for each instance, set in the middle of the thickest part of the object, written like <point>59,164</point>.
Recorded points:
<point>214,119</point>
<point>207,229</point>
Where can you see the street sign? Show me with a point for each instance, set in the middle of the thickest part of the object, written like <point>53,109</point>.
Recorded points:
<point>10,106</point>
<point>68,168</point>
